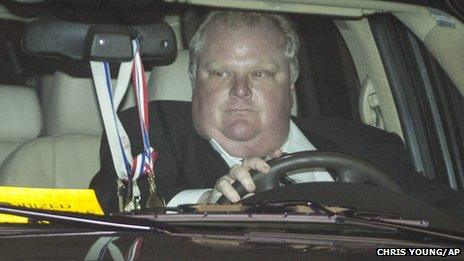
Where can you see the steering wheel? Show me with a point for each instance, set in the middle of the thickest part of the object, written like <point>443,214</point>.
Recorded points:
<point>348,169</point>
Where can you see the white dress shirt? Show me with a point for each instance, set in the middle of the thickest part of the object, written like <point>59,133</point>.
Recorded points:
<point>296,141</point>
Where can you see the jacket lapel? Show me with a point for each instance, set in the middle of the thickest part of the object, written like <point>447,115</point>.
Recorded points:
<point>211,165</point>
<point>315,138</point>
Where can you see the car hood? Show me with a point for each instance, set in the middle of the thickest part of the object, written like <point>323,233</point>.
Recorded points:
<point>65,244</point>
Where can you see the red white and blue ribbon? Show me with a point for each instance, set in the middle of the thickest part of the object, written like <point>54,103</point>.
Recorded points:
<point>127,168</point>
<point>134,250</point>
<point>143,163</point>
<point>109,102</point>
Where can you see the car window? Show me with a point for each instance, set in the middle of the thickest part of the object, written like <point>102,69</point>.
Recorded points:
<point>421,91</point>
<point>328,85</point>
<point>450,107</point>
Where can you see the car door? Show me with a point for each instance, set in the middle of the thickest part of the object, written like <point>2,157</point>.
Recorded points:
<point>429,105</point>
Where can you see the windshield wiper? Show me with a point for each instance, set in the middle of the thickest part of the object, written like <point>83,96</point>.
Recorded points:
<point>118,223</point>
<point>365,218</point>
<point>337,215</point>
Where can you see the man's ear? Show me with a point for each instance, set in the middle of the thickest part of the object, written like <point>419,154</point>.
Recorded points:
<point>192,84</point>
<point>292,94</point>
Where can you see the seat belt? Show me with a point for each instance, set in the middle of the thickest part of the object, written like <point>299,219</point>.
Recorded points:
<point>128,169</point>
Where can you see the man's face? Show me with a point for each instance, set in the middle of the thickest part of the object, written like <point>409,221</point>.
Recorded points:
<point>242,95</point>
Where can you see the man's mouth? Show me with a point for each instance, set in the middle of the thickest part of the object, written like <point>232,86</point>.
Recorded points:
<point>239,109</point>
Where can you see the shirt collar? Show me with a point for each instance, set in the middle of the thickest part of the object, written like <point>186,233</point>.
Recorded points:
<point>295,142</point>
<point>230,160</point>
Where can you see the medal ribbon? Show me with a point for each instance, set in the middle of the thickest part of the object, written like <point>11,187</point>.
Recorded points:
<point>127,168</point>
<point>143,163</point>
<point>109,102</point>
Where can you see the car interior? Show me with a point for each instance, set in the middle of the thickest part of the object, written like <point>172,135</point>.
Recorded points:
<point>51,124</point>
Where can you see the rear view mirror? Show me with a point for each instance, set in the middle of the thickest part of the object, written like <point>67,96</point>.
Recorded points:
<point>80,41</point>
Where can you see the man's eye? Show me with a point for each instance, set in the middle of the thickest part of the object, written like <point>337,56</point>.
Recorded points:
<point>261,74</point>
<point>219,74</point>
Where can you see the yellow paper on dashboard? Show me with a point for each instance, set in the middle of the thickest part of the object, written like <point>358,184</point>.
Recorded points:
<point>66,200</point>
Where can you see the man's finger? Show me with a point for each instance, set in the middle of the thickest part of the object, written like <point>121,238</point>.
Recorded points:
<point>256,164</point>
<point>241,174</point>
<point>224,186</point>
<point>238,173</point>
<point>274,155</point>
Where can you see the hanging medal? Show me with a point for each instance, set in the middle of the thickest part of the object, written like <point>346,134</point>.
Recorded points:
<point>128,171</point>
<point>154,200</point>
<point>144,163</point>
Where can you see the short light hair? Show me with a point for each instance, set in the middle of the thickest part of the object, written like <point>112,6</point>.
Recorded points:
<point>241,18</point>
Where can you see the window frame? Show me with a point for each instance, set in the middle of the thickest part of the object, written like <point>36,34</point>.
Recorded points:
<point>413,88</point>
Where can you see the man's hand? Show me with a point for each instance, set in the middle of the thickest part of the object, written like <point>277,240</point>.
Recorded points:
<point>241,173</point>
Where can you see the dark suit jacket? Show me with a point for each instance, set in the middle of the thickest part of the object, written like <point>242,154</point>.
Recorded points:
<point>187,161</point>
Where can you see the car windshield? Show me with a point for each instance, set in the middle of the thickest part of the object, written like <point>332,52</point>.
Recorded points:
<point>349,109</point>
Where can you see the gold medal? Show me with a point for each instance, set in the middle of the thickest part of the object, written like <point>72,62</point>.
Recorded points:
<point>130,206</point>
<point>154,199</point>
<point>133,204</point>
<point>120,194</point>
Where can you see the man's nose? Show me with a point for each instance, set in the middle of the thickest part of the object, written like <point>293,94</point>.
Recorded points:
<point>240,88</point>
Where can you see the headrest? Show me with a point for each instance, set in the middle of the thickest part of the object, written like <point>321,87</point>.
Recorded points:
<point>72,107</point>
<point>20,115</point>
<point>172,82</point>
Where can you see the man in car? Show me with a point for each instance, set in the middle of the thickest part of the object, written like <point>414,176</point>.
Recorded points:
<point>243,68</point>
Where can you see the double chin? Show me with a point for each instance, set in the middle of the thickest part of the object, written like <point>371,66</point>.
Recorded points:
<point>241,130</point>
<point>247,139</point>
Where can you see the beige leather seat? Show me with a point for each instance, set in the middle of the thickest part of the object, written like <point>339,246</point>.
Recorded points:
<point>172,82</point>
<point>20,117</point>
<point>67,156</point>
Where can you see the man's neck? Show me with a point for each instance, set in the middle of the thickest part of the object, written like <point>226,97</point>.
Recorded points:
<point>259,146</point>
<point>295,141</point>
